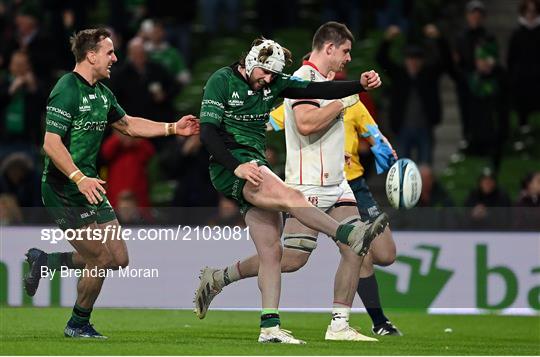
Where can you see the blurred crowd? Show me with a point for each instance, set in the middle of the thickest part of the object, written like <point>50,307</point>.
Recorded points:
<point>154,41</point>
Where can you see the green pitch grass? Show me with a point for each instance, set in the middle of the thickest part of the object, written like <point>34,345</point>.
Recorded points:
<point>38,331</point>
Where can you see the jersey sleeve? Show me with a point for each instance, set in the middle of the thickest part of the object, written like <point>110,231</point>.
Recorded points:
<point>116,112</point>
<point>61,109</point>
<point>284,81</point>
<point>277,118</point>
<point>214,99</point>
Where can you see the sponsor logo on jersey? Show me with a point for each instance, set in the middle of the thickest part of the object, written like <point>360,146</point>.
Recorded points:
<point>214,103</point>
<point>92,96</point>
<point>250,92</point>
<point>57,125</point>
<point>58,111</point>
<point>235,100</point>
<point>104,101</point>
<point>247,117</point>
<point>213,115</point>
<point>90,125</point>
<point>314,200</point>
<point>85,107</point>
<point>88,214</point>
<point>266,94</point>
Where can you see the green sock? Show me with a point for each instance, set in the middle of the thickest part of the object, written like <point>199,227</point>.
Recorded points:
<point>343,232</point>
<point>57,260</point>
<point>270,318</point>
<point>54,261</point>
<point>80,316</point>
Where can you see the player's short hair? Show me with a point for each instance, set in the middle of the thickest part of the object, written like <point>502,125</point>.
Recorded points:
<point>333,32</point>
<point>87,40</point>
<point>265,53</point>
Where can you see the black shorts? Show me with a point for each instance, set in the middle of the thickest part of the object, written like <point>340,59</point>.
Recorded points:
<point>367,206</point>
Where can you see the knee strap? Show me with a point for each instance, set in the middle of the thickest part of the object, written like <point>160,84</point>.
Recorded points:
<point>301,242</point>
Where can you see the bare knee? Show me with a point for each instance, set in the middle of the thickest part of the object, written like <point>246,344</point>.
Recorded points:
<point>121,262</point>
<point>294,198</point>
<point>271,253</point>
<point>293,260</point>
<point>384,252</point>
<point>347,254</point>
<point>101,260</point>
<point>385,258</point>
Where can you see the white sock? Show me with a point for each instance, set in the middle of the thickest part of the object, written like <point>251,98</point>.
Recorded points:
<point>224,277</point>
<point>340,317</point>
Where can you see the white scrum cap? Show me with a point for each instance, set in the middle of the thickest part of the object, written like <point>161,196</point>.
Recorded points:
<point>273,63</point>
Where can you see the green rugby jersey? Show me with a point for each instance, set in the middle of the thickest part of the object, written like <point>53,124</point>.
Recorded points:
<point>240,113</point>
<point>79,113</point>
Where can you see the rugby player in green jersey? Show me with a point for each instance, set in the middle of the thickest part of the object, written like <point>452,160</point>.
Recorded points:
<point>79,109</point>
<point>235,109</point>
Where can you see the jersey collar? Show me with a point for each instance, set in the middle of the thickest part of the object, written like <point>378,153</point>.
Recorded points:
<point>81,78</point>
<point>308,63</point>
<point>237,73</point>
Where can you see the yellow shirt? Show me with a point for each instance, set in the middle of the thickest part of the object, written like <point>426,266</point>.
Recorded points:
<point>356,120</point>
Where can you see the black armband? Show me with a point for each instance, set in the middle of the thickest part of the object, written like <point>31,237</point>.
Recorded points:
<point>215,146</point>
<point>324,90</point>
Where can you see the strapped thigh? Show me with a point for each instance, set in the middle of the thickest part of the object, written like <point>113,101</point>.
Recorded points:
<point>302,241</point>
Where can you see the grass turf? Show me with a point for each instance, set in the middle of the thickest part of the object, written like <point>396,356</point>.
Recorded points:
<point>38,331</point>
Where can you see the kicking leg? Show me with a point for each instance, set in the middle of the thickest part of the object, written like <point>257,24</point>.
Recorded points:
<point>274,194</point>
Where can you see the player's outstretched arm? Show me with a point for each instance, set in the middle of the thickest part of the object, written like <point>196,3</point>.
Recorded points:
<point>90,187</point>
<point>334,89</point>
<point>143,128</point>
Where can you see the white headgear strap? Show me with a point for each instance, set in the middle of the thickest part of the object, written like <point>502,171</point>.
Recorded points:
<point>273,63</point>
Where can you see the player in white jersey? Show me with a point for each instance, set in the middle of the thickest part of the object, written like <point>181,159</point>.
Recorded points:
<point>315,166</point>
<point>314,157</point>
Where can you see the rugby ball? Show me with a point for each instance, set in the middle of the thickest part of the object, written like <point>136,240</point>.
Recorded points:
<point>403,184</point>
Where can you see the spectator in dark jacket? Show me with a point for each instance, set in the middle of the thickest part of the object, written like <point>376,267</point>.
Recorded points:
<point>466,44</point>
<point>19,178</point>
<point>487,106</point>
<point>22,101</point>
<point>31,38</point>
<point>145,88</point>
<point>527,211</point>
<point>524,62</point>
<point>489,204</point>
<point>415,104</point>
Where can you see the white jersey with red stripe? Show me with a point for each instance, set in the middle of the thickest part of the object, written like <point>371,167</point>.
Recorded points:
<point>319,158</point>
